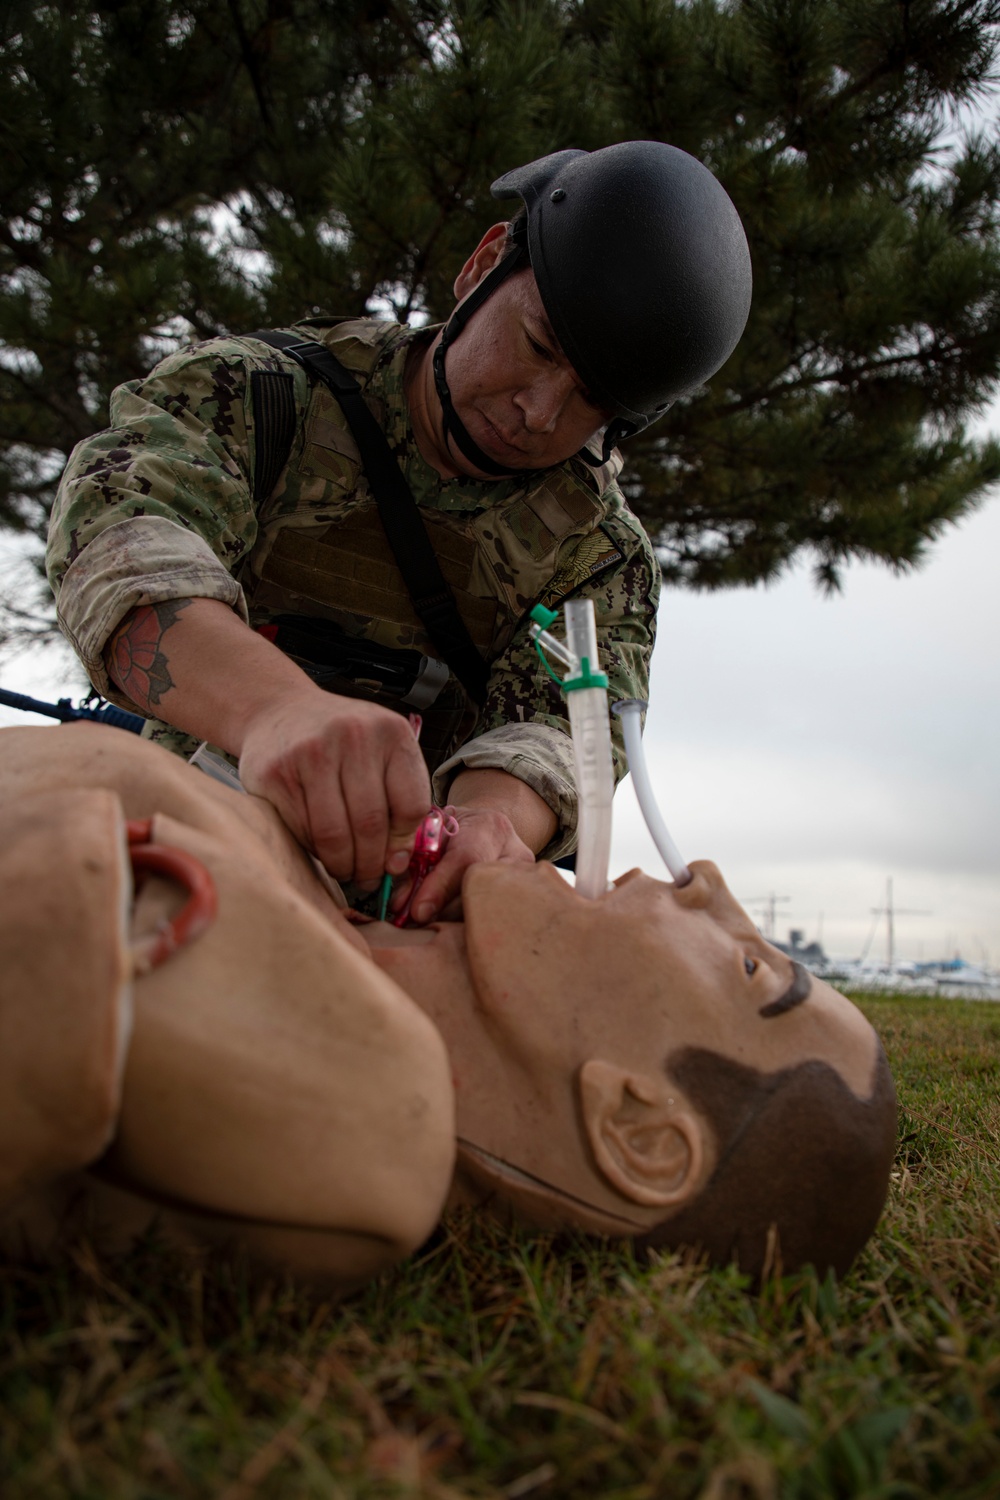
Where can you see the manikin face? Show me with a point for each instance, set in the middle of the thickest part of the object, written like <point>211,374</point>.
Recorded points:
<point>579,1006</point>
<point>648,968</point>
<point>512,386</point>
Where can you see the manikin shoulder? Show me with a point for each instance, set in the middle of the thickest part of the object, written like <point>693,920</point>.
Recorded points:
<point>276,1088</point>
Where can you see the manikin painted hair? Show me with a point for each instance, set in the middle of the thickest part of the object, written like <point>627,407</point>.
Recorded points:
<point>641,1065</point>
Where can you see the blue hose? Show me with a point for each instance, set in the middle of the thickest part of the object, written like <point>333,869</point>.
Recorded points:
<point>118,718</point>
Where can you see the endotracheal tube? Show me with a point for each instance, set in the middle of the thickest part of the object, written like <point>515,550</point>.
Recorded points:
<point>586,690</point>
<point>630,710</point>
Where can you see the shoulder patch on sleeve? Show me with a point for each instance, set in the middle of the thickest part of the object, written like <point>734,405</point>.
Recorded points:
<point>593,555</point>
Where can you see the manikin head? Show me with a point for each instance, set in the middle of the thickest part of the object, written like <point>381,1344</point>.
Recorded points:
<point>648,1065</point>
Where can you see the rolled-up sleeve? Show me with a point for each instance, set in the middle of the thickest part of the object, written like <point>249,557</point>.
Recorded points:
<point>145,560</point>
<point>160,505</point>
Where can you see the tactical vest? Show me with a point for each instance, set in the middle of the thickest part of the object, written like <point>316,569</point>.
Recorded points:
<point>499,562</point>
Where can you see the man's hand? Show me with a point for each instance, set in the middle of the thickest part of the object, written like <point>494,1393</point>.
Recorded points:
<point>347,778</point>
<point>483,834</point>
<point>499,819</point>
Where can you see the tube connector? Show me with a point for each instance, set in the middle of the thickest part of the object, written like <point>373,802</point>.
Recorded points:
<point>544,641</point>
<point>585,679</point>
<point>543,617</point>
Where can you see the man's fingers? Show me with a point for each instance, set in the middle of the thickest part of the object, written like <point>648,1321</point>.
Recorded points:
<point>364,793</point>
<point>442,885</point>
<point>328,821</point>
<point>483,835</point>
<point>347,777</point>
<point>408,791</point>
<point>386,791</point>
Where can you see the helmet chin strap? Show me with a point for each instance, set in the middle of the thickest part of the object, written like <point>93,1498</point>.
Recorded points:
<point>614,433</point>
<point>452,423</point>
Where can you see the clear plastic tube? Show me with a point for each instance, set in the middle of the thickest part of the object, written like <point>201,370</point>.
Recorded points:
<point>581,631</point>
<point>555,648</point>
<point>595,785</point>
<point>630,710</point>
<point>595,778</point>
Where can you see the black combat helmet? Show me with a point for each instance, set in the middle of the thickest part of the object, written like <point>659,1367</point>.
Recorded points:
<point>643,269</point>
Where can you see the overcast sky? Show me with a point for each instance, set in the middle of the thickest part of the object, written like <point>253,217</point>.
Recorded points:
<point>813,746</point>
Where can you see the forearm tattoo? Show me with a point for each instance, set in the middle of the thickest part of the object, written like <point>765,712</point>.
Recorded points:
<point>135,657</point>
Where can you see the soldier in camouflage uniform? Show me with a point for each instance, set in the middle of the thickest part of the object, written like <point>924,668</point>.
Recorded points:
<point>181,518</point>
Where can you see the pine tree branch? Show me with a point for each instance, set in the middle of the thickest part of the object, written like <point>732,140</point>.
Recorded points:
<point>846,374</point>
<point>250,62</point>
<point>892,65</point>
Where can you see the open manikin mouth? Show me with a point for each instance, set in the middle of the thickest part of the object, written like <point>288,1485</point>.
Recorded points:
<point>517,1177</point>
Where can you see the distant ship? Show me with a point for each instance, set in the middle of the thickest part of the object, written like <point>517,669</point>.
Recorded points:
<point>950,978</point>
<point>954,971</point>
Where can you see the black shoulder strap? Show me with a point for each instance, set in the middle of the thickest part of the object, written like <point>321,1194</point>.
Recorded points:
<point>398,512</point>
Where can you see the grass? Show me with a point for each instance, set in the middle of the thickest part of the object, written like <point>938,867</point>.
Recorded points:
<point>494,1366</point>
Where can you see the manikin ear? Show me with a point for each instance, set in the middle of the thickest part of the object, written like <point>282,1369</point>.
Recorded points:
<point>648,1142</point>
<point>483,259</point>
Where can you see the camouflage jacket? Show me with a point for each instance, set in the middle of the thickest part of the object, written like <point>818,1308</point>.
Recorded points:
<point>177,500</point>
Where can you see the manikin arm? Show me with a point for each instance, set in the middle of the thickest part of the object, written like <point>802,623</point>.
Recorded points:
<point>65,1001</point>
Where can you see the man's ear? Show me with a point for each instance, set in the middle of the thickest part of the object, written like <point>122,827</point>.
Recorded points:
<point>485,256</point>
<point>648,1142</point>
